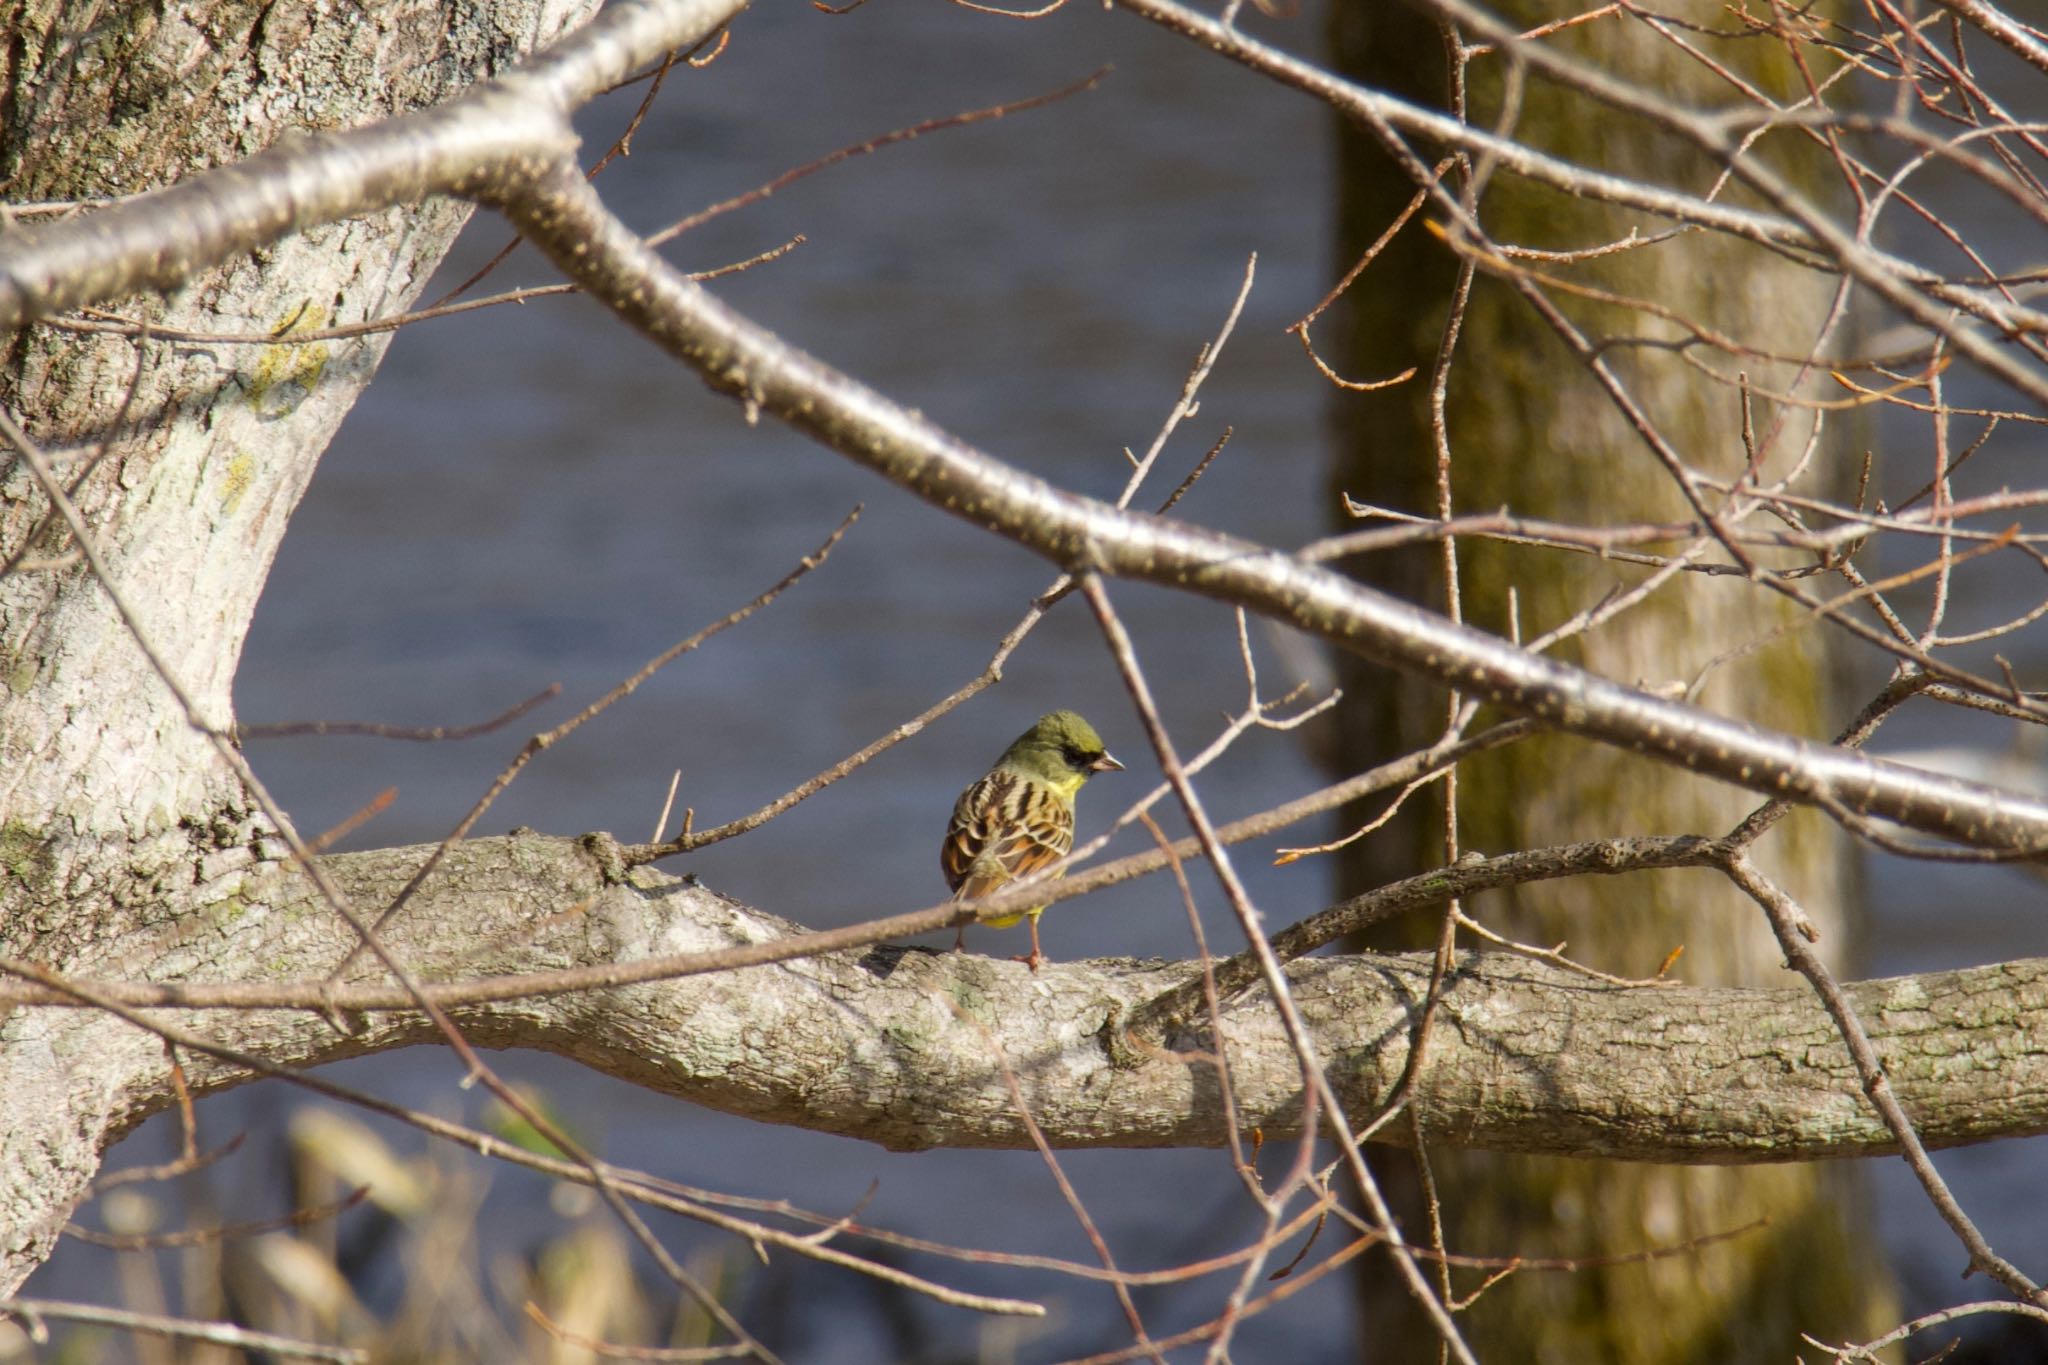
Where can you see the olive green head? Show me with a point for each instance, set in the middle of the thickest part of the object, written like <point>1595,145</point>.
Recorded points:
<point>1061,749</point>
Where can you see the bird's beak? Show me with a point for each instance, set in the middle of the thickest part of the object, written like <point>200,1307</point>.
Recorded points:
<point>1105,764</point>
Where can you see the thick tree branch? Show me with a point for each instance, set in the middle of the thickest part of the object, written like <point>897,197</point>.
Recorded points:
<point>737,356</point>
<point>1524,1057</point>
<point>505,144</point>
<point>159,240</point>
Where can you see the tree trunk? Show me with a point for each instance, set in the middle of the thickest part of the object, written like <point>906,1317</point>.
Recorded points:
<point>118,821</point>
<point>1532,431</point>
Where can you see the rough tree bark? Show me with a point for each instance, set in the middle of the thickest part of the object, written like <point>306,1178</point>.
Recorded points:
<point>901,1046</point>
<point>119,826</point>
<point>1533,432</point>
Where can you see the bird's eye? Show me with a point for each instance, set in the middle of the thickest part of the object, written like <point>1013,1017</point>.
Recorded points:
<point>1078,757</point>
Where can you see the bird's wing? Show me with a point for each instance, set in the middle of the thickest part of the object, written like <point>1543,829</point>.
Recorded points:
<point>1004,827</point>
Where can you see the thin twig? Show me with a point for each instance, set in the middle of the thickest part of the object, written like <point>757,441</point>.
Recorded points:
<point>1789,924</point>
<point>1298,1037</point>
<point>34,1312</point>
<point>379,730</point>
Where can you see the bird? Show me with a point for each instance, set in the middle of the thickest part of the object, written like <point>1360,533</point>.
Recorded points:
<point>1020,816</point>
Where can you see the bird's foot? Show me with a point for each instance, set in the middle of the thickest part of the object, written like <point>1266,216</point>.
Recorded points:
<point>1030,959</point>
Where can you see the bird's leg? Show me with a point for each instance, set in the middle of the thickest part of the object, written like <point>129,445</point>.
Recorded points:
<point>960,939</point>
<point>1036,957</point>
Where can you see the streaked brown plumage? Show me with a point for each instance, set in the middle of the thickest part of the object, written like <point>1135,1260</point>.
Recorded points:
<point>1019,818</point>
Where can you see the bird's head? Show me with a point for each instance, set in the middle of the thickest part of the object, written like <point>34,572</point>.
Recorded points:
<point>1062,749</point>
